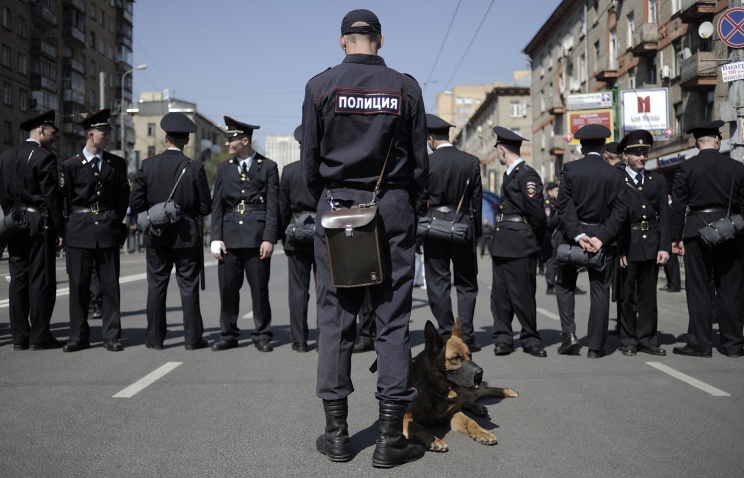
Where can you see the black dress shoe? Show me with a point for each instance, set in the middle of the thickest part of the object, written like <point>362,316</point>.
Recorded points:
<point>690,352</point>
<point>629,350</point>
<point>112,345</point>
<point>473,347</point>
<point>362,346</point>
<point>154,346</point>
<point>550,290</point>
<point>595,354</point>
<point>299,347</point>
<point>19,347</point>
<point>570,343</point>
<point>264,345</point>
<point>738,354</point>
<point>674,290</point>
<point>652,350</point>
<point>578,291</point>
<point>201,344</point>
<point>502,349</point>
<point>49,344</point>
<point>535,351</point>
<point>224,344</point>
<point>75,346</point>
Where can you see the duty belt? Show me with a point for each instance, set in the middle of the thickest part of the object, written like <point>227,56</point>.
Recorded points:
<point>644,225</point>
<point>588,223</point>
<point>445,209</point>
<point>95,208</point>
<point>23,207</point>
<point>511,218</point>
<point>710,210</point>
<point>242,207</point>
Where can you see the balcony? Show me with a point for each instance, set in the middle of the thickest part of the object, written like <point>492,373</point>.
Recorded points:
<point>71,64</point>
<point>43,15</point>
<point>78,5</point>
<point>606,69</point>
<point>124,14</point>
<point>42,82</point>
<point>555,105</point>
<point>646,40</point>
<point>74,35</point>
<point>699,72</point>
<point>557,145</point>
<point>73,97</point>
<point>40,46</point>
<point>73,129</point>
<point>697,11</point>
<point>124,40</point>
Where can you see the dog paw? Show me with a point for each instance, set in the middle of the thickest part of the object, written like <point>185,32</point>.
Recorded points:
<point>479,410</point>
<point>509,393</point>
<point>438,446</point>
<point>486,438</point>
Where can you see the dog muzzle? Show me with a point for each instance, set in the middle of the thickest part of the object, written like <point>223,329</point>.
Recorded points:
<point>469,375</point>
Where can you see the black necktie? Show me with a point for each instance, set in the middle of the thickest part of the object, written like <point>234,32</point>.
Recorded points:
<point>244,168</point>
<point>94,162</point>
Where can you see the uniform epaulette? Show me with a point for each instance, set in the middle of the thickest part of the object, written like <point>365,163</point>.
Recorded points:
<point>321,72</point>
<point>411,77</point>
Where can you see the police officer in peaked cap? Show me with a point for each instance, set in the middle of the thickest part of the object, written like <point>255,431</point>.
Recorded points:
<point>705,187</point>
<point>95,185</point>
<point>591,207</point>
<point>181,242</point>
<point>245,227</point>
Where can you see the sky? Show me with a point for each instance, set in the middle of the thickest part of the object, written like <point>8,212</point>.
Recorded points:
<point>251,60</point>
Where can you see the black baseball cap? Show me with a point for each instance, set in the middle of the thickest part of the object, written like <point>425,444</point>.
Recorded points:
<point>360,21</point>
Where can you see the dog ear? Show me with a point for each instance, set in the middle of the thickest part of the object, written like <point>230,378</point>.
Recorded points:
<point>433,341</point>
<point>457,329</point>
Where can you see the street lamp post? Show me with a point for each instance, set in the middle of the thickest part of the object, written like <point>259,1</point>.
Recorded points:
<point>123,110</point>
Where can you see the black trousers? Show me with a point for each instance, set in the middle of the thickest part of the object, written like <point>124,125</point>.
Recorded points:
<point>725,266</point>
<point>438,255</point>
<point>234,265</point>
<point>301,265</point>
<point>551,269</point>
<point>599,310</point>
<point>639,287</point>
<point>81,265</point>
<point>671,270</point>
<point>513,292</point>
<point>160,261</point>
<point>32,296</point>
<point>391,300</point>
<point>366,321</point>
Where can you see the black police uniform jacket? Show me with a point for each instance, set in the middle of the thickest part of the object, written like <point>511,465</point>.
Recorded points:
<point>522,195</point>
<point>646,203</point>
<point>28,175</point>
<point>591,190</point>
<point>154,182</point>
<point>106,191</point>
<point>449,171</point>
<point>372,111</point>
<point>704,182</point>
<point>260,189</point>
<point>294,198</point>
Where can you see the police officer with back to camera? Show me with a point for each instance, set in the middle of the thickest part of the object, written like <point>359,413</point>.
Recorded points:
<point>551,223</point>
<point>645,243</point>
<point>296,202</point>
<point>350,116</point>
<point>29,182</point>
<point>245,227</point>
<point>707,184</point>
<point>591,207</point>
<point>453,175</point>
<point>95,184</point>
<point>180,243</point>
<point>515,249</point>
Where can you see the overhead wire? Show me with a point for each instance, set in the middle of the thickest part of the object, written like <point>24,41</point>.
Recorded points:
<point>475,35</point>
<point>441,47</point>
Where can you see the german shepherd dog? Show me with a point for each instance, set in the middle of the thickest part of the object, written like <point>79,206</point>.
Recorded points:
<point>447,381</point>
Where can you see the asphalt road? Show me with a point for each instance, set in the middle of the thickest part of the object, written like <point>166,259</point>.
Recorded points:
<point>246,413</point>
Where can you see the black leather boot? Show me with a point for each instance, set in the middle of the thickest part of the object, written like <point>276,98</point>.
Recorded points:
<point>335,443</point>
<point>393,448</point>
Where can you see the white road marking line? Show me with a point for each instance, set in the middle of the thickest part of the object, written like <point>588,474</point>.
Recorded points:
<point>548,314</point>
<point>122,280</point>
<point>147,380</point>
<point>689,380</point>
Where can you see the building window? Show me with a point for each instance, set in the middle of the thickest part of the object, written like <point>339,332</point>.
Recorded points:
<point>706,44</point>
<point>596,56</point>
<point>651,68</point>
<point>515,108</point>
<point>631,28</point>
<point>101,18</point>
<point>22,27</point>
<point>22,64</point>
<point>709,100</point>
<point>632,78</point>
<point>582,68</point>
<point>111,25</point>
<point>678,58</point>
<point>92,69</point>
<point>517,131</point>
<point>23,99</point>
<point>8,94</point>
<point>613,49</point>
<point>463,110</point>
<point>8,132</point>
<point>6,17</point>
<point>92,43</point>
<point>6,56</point>
<point>101,46</point>
<point>653,11</point>
<point>676,6</point>
<point>93,10</point>
<point>150,151</point>
<point>679,114</point>
<point>150,129</point>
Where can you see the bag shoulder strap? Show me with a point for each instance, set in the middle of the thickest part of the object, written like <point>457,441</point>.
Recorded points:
<point>614,181</point>
<point>23,178</point>
<point>170,196</point>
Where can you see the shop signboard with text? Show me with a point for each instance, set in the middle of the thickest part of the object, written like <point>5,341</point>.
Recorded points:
<point>646,109</point>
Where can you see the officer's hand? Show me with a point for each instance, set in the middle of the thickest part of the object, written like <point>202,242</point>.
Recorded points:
<point>266,249</point>
<point>60,242</point>
<point>586,244</point>
<point>662,257</point>
<point>623,261</point>
<point>596,243</point>
<point>218,249</point>
<point>678,248</point>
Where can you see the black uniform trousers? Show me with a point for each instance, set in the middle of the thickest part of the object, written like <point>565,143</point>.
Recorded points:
<point>599,292</point>
<point>639,288</point>
<point>366,321</point>
<point>160,261</point>
<point>513,292</point>
<point>551,269</point>
<point>671,270</point>
<point>82,263</point>
<point>31,297</point>
<point>724,265</point>
<point>301,265</point>
<point>437,258</point>
<point>391,300</point>
<point>230,271</point>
